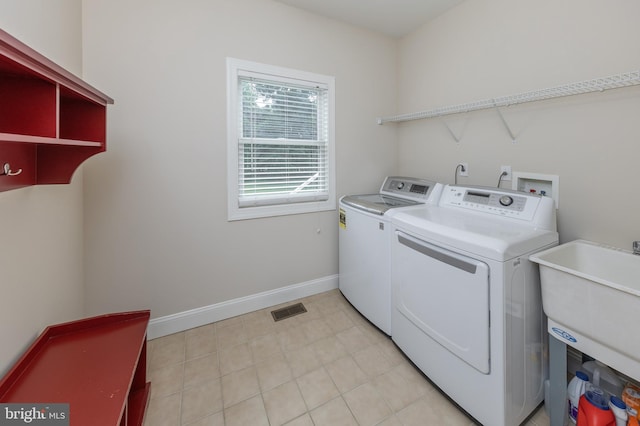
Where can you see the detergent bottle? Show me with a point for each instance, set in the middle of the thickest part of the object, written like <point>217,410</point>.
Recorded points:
<point>631,397</point>
<point>633,417</point>
<point>593,409</point>
<point>577,387</point>
<point>603,377</point>
<point>619,410</point>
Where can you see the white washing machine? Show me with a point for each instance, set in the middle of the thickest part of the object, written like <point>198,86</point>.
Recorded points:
<point>467,306</point>
<point>365,243</point>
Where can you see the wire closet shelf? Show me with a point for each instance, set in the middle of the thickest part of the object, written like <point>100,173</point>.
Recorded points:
<point>588,86</point>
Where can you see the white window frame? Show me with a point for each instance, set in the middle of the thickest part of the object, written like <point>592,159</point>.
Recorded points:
<point>236,67</point>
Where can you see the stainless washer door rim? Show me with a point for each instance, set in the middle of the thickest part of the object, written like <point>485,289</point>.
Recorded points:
<point>376,203</point>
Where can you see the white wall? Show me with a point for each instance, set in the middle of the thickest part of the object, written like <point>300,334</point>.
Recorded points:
<point>156,229</point>
<point>41,275</point>
<point>490,48</point>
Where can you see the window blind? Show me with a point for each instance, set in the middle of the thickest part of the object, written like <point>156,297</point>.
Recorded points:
<point>283,142</point>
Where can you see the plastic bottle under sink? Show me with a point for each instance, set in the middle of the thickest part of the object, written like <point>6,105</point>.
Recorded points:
<point>577,387</point>
<point>605,378</point>
<point>593,409</point>
<point>619,410</point>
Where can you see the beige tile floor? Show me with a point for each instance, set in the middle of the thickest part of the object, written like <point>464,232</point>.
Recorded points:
<point>328,366</point>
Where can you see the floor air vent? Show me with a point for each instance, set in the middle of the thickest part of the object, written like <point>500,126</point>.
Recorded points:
<point>288,311</point>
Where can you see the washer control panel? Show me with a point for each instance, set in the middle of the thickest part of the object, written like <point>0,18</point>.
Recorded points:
<point>410,188</point>
<point>492,201</point>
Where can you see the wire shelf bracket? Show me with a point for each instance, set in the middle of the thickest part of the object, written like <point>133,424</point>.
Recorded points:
<point>506,125</point>
<point>588,86</point>
<point>450,130</point>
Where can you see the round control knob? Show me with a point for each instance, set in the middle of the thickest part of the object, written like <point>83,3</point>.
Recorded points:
<point>400,185</point>
<point>506,200</point>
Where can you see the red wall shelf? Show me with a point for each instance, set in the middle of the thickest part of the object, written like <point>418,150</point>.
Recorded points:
<point>96,365</point>
<point>50,120</point>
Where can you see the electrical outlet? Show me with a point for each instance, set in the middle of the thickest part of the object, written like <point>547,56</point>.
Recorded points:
<point>506,169</point>
<point>464,169</point>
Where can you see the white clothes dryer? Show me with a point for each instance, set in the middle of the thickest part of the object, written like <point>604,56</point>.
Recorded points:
<point>365,243</point>
<point>467,304</point>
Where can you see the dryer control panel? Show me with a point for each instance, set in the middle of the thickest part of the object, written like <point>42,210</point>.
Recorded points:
<point>492,201</point>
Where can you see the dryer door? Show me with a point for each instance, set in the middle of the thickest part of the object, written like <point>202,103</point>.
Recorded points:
<point>445,295</point>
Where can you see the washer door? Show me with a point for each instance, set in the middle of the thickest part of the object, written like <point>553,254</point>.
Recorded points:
<point>445,295</point>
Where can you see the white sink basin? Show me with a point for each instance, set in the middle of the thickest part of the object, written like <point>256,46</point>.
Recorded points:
<point>591,296</point>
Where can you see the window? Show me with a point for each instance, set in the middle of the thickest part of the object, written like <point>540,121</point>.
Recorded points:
<point>280,141</point>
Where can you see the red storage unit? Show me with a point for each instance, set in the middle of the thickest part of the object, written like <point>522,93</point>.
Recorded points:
<point>50,120</point>
<point>96,365</point>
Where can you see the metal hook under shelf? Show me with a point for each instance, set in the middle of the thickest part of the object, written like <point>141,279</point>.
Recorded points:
<point>6,170</point>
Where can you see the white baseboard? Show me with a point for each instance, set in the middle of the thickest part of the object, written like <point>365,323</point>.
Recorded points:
<point>181,321</point>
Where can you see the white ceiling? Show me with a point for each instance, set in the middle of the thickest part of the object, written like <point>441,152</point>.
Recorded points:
<point>396,18</point>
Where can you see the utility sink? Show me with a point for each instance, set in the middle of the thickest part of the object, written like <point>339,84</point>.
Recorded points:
<point>591,296</point>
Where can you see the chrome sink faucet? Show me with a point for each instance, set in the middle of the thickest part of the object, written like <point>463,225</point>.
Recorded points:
<point>636,247</point>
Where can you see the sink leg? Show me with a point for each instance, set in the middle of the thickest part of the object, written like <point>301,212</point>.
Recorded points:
<point>557,381</point>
